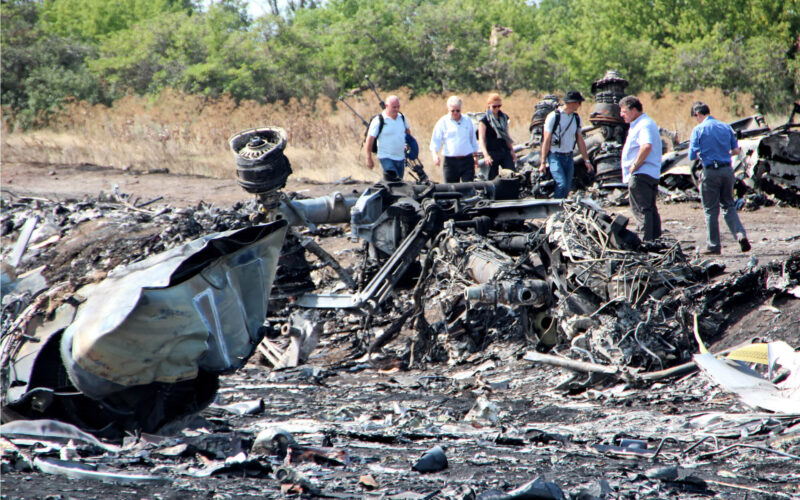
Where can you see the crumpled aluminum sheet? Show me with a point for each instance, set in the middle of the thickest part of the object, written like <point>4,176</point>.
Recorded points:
<point>750,386</point>
<point>195,306</point>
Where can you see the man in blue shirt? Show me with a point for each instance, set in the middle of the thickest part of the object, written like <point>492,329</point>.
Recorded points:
<point>641,165</point>
<point>713,143</point>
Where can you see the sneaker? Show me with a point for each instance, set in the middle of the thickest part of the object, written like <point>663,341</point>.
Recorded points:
<point>711,251</point>
<point>744,244</point>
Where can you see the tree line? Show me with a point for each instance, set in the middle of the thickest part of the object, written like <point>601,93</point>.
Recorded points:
<point>102,50</point>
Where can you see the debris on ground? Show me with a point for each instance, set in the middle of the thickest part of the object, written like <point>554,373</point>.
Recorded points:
<point>466,341</point>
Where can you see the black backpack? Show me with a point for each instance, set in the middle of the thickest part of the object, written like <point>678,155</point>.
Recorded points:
<point>380,129</point>
<point>558,119</point>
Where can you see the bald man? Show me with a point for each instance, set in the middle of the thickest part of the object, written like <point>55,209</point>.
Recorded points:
<point>389,129</point>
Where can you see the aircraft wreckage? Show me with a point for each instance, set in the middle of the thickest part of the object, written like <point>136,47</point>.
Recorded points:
<point>769,165</point>
<point>459,264</point>
<point>120,320</point>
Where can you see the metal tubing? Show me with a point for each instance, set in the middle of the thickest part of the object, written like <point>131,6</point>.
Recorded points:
<point>333,209</point>
<point>519,292</point>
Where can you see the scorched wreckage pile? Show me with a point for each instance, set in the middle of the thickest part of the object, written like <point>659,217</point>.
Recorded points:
<point>419,364</point>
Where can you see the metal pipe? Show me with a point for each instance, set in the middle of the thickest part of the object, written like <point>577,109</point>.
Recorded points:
<point>496,189</point>
<point>333,209</point>
<point>528,292</point>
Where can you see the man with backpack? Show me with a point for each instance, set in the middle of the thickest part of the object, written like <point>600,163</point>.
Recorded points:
<point>389,129</point>
<point>562,131</point>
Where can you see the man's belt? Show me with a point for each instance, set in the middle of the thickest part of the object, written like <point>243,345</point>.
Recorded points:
<point>717,164</point>
<point>560,153</point>
<point>457,157</point>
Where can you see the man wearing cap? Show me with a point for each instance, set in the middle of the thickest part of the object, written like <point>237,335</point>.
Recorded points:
<point>454,135</point>
<point>713,143</point>
<point>641,165</point>
<point>562,131</point>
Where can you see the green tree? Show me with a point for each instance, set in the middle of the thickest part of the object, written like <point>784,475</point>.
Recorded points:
<point>40,70</point>
<point>93,19</point>
<point>736,45</point>
<point>145,46</point>
<point>208,53</point>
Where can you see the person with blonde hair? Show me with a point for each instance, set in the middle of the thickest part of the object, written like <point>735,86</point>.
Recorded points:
<point>454,136</point>
<point>495,142</point>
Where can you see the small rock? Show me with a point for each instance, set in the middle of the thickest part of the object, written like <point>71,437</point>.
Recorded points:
<point>434,460</point>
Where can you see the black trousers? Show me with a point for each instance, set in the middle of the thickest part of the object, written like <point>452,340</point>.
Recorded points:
<point>642,193</point>
<point>500,159</point>
<point>458,169</point>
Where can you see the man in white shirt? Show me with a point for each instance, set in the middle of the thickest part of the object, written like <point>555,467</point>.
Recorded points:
<point>641,165</point>
<point>389,129</point>
<point>455,136</point>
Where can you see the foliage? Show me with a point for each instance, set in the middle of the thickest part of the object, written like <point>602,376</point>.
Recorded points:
<point>94,19</point>
<point>757,65</point>
<point>40,71</point>
<point>100,50</point>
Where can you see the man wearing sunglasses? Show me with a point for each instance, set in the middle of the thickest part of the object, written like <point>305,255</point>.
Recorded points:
<point>713,143</point>
<point>454,136</point>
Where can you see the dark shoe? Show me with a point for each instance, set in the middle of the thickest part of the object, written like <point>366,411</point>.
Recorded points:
<point>711,251</point>
<point>744,244</point>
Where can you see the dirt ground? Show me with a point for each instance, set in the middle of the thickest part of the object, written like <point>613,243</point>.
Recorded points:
<point>385,418</point>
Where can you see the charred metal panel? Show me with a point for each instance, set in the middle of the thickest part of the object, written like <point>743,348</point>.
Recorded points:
<point>195,307</point>
<point>613,130</point>
<point>541,109</point>
<point>145,346</point>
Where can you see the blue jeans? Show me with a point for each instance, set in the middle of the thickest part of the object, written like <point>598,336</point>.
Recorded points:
<point>392,167</point>
<point>562,169</point>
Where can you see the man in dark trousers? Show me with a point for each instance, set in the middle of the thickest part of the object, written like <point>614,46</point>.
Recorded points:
<point>454,136</point>
<point>713,143</point>
<point>641,165</point>
<point>493,139</point>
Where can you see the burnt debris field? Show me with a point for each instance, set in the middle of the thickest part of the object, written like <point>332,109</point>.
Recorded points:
<point>401,340</point>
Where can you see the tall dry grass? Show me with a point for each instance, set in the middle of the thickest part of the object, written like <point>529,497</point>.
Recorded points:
<point>188,134</point>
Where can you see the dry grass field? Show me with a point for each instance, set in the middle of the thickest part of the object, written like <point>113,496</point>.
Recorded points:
<point>188,134</point>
